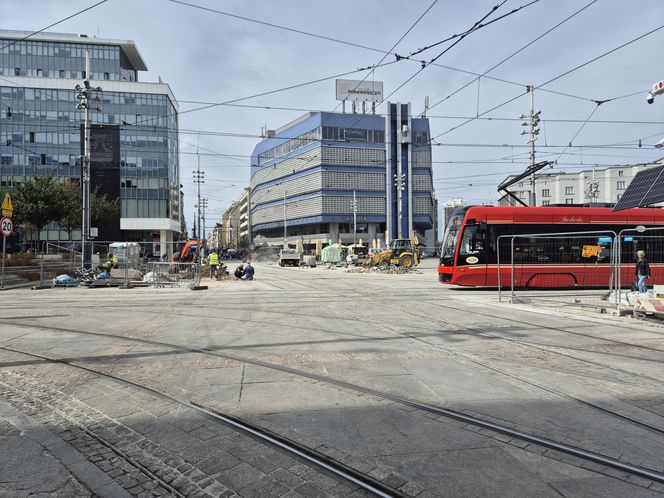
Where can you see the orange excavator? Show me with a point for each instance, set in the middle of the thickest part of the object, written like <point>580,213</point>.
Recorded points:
<point>190,252</point>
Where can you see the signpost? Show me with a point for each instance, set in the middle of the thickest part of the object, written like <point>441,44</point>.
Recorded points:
<point>7,206</point>
<point>6,227</point>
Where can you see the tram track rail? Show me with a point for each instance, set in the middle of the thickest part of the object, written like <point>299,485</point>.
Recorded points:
<point>311,457</point>
<point>587,455</point>
<point>473,358</point>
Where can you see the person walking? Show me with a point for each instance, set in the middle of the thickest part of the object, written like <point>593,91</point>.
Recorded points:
<point>642,271</point>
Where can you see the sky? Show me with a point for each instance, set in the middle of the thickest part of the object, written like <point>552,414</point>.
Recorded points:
<point>211,57</point>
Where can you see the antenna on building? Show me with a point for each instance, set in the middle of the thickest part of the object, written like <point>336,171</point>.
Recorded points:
<point>426,106</point>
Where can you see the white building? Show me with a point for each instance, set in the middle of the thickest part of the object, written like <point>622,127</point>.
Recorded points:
<point>594,186</point>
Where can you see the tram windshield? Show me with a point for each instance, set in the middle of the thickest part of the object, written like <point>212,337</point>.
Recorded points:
<point>450,240</point>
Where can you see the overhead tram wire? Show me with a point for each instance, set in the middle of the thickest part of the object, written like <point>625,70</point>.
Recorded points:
<point>387,54</point>
<point>262,94</point>
<point>331,77</point>
<point>425,64</point>
<point>513,54</point>
<point>53,24</point>
<point>348,43</point>
<point>594,59</point>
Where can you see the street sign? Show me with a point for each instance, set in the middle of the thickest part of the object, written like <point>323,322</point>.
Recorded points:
<point>7,206</point>
<point>6,226</point>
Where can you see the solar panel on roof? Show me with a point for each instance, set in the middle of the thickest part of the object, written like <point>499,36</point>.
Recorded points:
<point>646,188</point>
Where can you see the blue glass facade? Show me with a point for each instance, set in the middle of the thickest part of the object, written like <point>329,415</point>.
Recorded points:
<point>305,174</point>
<point>40,128</point>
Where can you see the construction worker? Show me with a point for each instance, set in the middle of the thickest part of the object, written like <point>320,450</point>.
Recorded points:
<point>213,263</point>
<point>113,260</point>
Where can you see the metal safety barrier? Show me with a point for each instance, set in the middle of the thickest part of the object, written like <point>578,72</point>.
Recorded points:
<point>173,274</point>
<point>547,266</point>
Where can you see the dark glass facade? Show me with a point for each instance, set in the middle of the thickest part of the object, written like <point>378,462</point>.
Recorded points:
<point>40,129</point>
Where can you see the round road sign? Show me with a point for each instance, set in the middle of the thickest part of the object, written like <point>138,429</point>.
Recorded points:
<point>6,226</point>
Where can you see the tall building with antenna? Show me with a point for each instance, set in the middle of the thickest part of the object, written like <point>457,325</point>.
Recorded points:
<point>134,138</point>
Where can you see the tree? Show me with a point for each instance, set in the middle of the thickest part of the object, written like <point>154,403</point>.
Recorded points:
<point>38,201</point>
<point>102,209</point>
<point>72,214</point>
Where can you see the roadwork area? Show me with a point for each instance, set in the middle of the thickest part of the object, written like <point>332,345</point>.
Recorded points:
<point>416,388</point>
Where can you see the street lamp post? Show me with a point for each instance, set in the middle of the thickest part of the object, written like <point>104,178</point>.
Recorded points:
<point>354,219</point>
<point>285,227</point>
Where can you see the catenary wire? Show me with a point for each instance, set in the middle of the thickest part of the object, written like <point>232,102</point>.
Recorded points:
<point>412,26</point>
<point>575,68</point>
<point>513,54</point>
<point>53,24</point>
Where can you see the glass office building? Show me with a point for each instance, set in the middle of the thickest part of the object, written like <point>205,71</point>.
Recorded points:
<point>306,174</point>
<point>40,129</point>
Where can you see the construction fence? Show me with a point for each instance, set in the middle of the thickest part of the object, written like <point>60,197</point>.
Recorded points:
<point>135,260</point>
<point>590,268</point>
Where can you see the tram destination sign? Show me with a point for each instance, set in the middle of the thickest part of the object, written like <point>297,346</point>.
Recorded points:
<point>360,91</point>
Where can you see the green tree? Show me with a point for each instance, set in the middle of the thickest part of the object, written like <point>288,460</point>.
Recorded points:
<point>38,201</point>
<point>72,214</point>
<point>103,209</point>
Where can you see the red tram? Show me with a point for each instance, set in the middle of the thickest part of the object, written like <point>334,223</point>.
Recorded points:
<point>469,254</point>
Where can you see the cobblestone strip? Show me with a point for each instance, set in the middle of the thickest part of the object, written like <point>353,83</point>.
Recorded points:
<point>222,460</point>
<point>71,427</point>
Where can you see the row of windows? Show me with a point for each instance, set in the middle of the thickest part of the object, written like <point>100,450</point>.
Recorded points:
<point>290,145</point>
<point>144,208</point>
<point>69,96</point>
<point>55,49</point>
<point>620,185</point>
<point>57,73</point>
<point>353,134</point>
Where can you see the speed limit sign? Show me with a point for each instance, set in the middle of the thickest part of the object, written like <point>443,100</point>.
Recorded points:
<point>6,226</point>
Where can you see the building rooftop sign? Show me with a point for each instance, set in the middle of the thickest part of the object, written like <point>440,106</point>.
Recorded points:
<point>360,91</point>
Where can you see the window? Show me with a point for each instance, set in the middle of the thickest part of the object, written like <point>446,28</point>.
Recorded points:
<point>569,201</point>
<point>17,71</point>
<point>62,73</point>
<point>620,185</point>
<point>620,173</point>
<point>618,196</point>
<point>107,76</point>
<point>546,203</point>
<point>569,190</point>
<point>545,192</point>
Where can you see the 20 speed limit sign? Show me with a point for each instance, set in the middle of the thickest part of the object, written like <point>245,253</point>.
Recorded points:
<point>6,226</point>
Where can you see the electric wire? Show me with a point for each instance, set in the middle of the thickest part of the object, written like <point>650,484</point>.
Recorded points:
<point>569,71</point>
<point>513,54</point>
<point>53,24</point>
<point>412,26</point>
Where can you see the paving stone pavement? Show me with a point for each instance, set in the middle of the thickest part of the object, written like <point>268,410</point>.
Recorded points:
<point>141,445</point>
<point>76,450</point>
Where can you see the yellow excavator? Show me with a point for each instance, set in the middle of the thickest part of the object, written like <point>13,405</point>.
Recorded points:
<point>402,252</point>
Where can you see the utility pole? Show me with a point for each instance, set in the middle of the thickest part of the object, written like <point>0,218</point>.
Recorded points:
<point>203,208</point>
<point>532,121</point>
<point>85,98</point>
<point>400,183</point>
<point>285,229</point>
<point>354,206</point>
<point>199,177</point>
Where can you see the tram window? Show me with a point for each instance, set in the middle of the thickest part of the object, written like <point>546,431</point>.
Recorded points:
<point>472,241</point>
